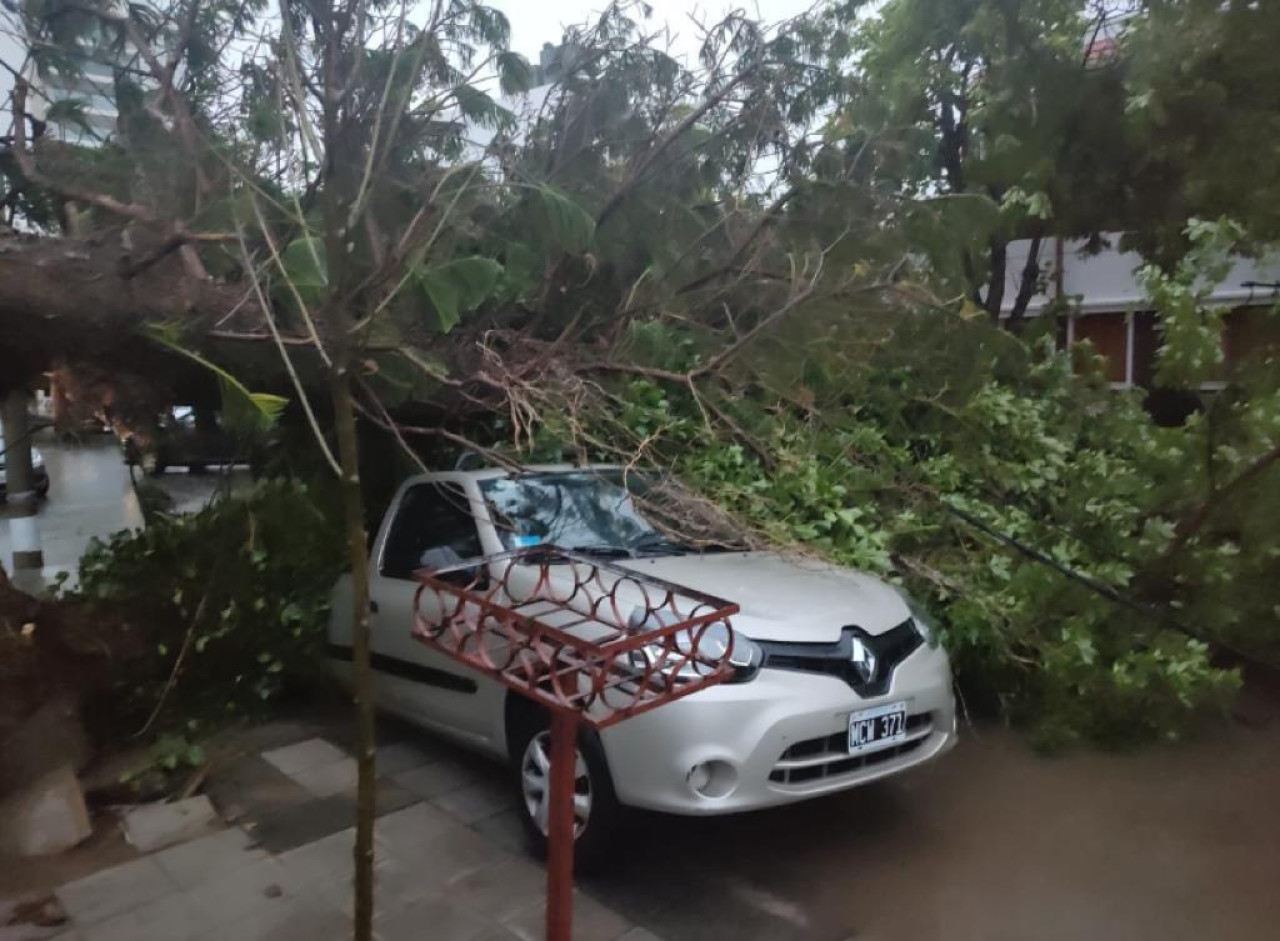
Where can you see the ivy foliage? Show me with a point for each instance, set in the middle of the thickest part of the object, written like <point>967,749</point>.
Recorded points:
<point>233,599</point>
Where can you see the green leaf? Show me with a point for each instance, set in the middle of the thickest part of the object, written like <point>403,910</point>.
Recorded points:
<point>305,266</point>
<point>479,108</point>
<point>69,111</point>
<point>458,287</point>
<point>562,221</point>
<point>428,364</point>
<point>515,75</point>
<point>242,410</point>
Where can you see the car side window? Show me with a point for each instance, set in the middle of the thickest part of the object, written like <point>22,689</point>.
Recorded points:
<point>433,526</point>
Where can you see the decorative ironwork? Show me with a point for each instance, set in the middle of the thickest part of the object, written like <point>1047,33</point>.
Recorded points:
<point>576,633</point>
<point>593,642</point>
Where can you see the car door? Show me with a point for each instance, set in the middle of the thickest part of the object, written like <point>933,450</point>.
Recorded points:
<point>431,521</point>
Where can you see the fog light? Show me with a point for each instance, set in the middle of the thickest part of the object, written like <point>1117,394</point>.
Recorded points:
<point>699,777</point>
<point>713,779</point>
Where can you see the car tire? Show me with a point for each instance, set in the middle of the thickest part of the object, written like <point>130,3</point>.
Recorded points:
<point>530,746</point>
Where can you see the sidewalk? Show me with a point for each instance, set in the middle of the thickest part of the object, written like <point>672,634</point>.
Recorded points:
<point>449,859</point>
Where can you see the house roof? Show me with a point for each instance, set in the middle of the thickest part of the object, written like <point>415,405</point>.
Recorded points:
<point>1107,280</point>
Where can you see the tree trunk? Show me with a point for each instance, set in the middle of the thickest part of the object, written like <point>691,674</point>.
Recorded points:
<point>995,282</point>
<point>1027,283</point>
<point>24,528</point>
<point>357,554</point>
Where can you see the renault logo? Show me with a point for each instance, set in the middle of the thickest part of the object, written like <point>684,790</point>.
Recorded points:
<point>863,660</point>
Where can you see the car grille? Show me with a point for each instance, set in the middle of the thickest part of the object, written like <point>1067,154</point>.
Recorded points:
<point>817,758</point>
<point>836,659</point>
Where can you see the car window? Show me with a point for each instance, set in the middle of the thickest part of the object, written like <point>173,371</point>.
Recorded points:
<point>433,526</point>
<point>570,509</point>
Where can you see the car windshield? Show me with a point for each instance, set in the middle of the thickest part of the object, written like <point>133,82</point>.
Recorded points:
<point>591,511</point>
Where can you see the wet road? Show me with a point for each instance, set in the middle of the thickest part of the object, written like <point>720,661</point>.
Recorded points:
<point>89,495</point>
<point>993,842</point>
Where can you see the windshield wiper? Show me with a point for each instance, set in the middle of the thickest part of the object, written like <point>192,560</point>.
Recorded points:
<point>605,550</point>
<point>656,542</point>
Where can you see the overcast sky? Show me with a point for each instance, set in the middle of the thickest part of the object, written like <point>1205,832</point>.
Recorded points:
<point>534,22</point>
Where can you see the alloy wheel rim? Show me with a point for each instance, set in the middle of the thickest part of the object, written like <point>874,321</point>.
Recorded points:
<point>535,779</point>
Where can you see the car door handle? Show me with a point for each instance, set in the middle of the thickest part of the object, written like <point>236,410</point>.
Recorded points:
<point>373,605</point>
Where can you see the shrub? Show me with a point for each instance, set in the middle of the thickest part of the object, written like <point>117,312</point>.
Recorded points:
<point>233,602</point>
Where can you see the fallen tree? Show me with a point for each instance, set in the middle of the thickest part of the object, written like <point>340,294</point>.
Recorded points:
<point>688,268</point>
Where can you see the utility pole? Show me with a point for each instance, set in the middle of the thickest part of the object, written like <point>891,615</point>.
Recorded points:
<point>24,530</point>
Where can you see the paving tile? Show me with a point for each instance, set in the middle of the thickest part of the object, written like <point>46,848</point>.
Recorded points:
<point>496,933</point>
<point>115,890</point>
<point>299,824</point>
<point>171,918</point>
<point>639,934</point>
<point>241,892</point>
<point>503,890</point>
<point>505,829</point>
<point>391,797</point>
<point>435,917</point>
<point>201,860</point>
<point>425,834</point>
<point>326,860</point>
<point>479,799</point>
<point>311,818</point>
<point>417,823</point>
<point>402,756</point>
<point>303,755</point>
<point>417,868</point>
<point>435,779</point>
<point>326,780</point>
<point>591,922</point>
<point>291,920</point>
<point>252,788</point>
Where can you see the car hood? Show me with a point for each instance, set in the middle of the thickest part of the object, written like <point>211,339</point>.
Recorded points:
<point>782,598</point>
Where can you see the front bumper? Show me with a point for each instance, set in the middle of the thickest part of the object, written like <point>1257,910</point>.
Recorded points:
<point>776,739</point>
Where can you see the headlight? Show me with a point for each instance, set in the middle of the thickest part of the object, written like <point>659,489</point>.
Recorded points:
<point>926,626</point>
<point>672,654</point>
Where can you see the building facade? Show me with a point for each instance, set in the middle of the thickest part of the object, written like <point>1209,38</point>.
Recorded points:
<point>1096,296</point>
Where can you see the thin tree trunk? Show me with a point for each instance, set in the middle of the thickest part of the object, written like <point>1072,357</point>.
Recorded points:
<point>1027,283</point>
<point>995,282</point>
<point>357,552</point>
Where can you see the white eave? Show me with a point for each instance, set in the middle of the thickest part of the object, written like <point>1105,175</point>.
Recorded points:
<point>1106,281</point>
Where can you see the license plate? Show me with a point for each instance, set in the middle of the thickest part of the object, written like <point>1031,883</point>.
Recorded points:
<point>876,728</point>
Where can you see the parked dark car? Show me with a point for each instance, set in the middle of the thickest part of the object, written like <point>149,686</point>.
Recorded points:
<point>37,467</point>
<point>181,440</point>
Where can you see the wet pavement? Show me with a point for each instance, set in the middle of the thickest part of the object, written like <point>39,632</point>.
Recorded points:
<point>992,842</point>
<point>90,495</point>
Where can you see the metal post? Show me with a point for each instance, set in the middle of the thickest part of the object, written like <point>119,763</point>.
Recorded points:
<point>24,530</point>
<point>564,738</point>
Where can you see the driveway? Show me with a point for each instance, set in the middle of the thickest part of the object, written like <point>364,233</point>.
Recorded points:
<point>993,842</point>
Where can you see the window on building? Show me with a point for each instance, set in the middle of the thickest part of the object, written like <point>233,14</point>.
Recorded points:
<point>1251,332</point>
<point>1109,334</point>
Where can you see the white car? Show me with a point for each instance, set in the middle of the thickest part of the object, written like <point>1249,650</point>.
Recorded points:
<point>848,685</point>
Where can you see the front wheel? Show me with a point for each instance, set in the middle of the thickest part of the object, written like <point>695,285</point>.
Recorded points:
<point>596,811</point>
